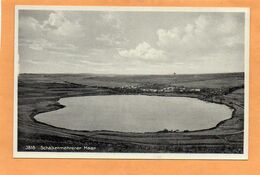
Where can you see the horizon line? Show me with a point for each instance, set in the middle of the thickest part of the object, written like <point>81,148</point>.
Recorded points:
<point>137,74</point>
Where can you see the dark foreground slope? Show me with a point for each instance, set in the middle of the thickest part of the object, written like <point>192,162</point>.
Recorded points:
<point>40,93</point>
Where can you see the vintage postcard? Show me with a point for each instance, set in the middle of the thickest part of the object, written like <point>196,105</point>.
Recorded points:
<point>131,82</point>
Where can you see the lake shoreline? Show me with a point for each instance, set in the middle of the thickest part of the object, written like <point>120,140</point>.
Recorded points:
<point>226,136</point>
<point>62,106</point>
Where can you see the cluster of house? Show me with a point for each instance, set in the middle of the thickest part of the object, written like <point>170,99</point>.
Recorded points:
<point>216,91</point>
<point>166,89</point>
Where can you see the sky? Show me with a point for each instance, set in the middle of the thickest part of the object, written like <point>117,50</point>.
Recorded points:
<point>121,42</point>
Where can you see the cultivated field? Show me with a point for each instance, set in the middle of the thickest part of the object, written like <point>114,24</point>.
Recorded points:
<point>39,93</point>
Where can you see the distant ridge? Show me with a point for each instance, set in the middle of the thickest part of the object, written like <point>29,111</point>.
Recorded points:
<point>93,74</point>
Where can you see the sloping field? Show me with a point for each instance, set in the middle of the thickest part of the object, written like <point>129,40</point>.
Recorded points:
<point>40,93</point>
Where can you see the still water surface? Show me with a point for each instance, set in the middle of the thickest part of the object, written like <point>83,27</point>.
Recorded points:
<point>135,113</point>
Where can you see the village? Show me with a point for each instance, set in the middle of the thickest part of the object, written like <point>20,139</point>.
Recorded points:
<point>169,89</point>
<point>41,93</point>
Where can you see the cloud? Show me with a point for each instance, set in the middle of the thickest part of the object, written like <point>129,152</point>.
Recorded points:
<point>69,54</point>
<point>43,44</point>
<point>229,25</point>
<point>112,19</point>
<point>143,51</point>
<point>53,34</point>
<point>232,30</point>
<point>111,39</point>
<point>129,42</point>
<point>58,24</point>
<point>35,62</point>
<point>205,34</point>
<point>189,36</point>
<point>29,27</point>
<point>95,63</point>
<point>55,20</point>
<point>113,33</point>
<point>40,44</point>
<point>30,23</point>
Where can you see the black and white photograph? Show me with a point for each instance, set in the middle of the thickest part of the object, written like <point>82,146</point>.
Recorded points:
<point>131,82</point>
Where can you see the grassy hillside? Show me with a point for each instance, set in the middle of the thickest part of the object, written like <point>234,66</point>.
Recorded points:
<point>40,93</point>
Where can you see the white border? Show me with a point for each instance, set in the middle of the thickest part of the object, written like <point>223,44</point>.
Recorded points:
<point>220,156</point>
